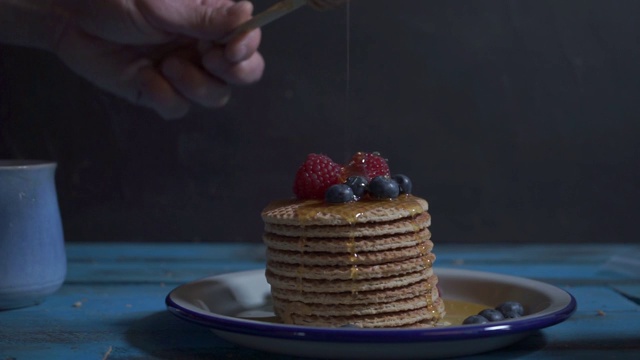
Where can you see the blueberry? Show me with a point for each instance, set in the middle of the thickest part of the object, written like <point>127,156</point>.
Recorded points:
<point>339,193</point>
<point>404,183</point>
<point>491,315</point>
<point>475,319</point>
<point>358,184</point>
<point>511,315</point>
<point>382,187</point>
<point>511,309</point>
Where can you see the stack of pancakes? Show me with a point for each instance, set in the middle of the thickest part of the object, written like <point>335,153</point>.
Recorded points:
<point>366,263</point>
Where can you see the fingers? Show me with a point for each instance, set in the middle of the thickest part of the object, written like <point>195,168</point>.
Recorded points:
<point>178,80</point>
<point>171,89</point>
<point>209,86</point>
<point>244,47</point>
<point>194,83</point>
<point>246,67</point>
<point>205,81</point>
<point>117,70</point>
<point>242,73</point>
<point>200,19</point>
<point>169,76</point>
<point>148,88</point>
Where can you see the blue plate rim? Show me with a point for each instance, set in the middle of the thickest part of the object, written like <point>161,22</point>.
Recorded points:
<point>446,333</point>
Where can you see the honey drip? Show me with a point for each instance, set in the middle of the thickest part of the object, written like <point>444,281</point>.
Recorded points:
<point>351,248</point>
<point>353,259</point>
<point>428,262</point>
<point>299,275</point>
<point>428,286</point>
<point>300,270</point>
<point>354,275</point>
<point>302,243</point>
<point>430,300</point>
<point>431,308</point>
<point>423,249</point>
<point>414,222</point>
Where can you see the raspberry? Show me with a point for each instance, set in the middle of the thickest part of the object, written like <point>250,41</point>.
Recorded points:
<point>368,165</point>
<point>315,176</point>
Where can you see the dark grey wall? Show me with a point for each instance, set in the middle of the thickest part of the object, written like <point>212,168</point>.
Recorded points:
<point>518,121</point>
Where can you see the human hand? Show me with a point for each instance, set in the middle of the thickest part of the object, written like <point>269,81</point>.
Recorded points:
<point>162,54</point>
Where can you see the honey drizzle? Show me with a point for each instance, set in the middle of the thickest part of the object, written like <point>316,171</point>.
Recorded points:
<point>353,259</point>
<point>299,276</point>
<point>300,270</point>
<point>349,214</point>
<point>346,127</point>
<point>426,256</point>
<point>427,261</point>
<point>432,309</point>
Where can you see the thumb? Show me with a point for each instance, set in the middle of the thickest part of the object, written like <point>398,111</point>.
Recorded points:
<point>205,20</point>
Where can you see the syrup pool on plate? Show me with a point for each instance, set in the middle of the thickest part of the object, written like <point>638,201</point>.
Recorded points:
<point>458,310</point>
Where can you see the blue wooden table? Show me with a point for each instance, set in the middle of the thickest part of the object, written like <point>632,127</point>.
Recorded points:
<point>112,304</point>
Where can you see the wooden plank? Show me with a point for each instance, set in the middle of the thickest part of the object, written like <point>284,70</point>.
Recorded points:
<point>176,263</point>
<point>470,253</point>
<point>113,302</point>
<point>180,252</point>
<point>179,272</point>
<point>595,300</point>
<point>552,343</point>
<point>129,320</point>
<point>551,273</point>
<point>530,253</point>
<point>170,272</point>
<point>132,321</point>
<point>630,291</point>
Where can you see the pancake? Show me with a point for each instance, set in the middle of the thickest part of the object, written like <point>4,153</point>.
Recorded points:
<point>425,316</point>
<point>355,230</point>
<point>366,263</point>
<point>394,291</point>
<point>337,259</point>
<point>306,279</point>
<point>333,245</point>
<point>349,310</point>
<point>314,212</point>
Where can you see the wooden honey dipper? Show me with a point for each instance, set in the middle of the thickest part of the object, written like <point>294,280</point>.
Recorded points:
<point>278,10</point>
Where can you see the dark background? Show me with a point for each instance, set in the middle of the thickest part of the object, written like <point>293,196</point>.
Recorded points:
<point>517,120</point>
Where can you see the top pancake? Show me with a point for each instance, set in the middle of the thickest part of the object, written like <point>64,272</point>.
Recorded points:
<point>317,212</point>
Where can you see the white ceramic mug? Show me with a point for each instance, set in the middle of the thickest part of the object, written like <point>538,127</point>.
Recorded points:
<point>32,256</point>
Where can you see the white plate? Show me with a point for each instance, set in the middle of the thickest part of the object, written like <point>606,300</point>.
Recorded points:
<point>236,308</point>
